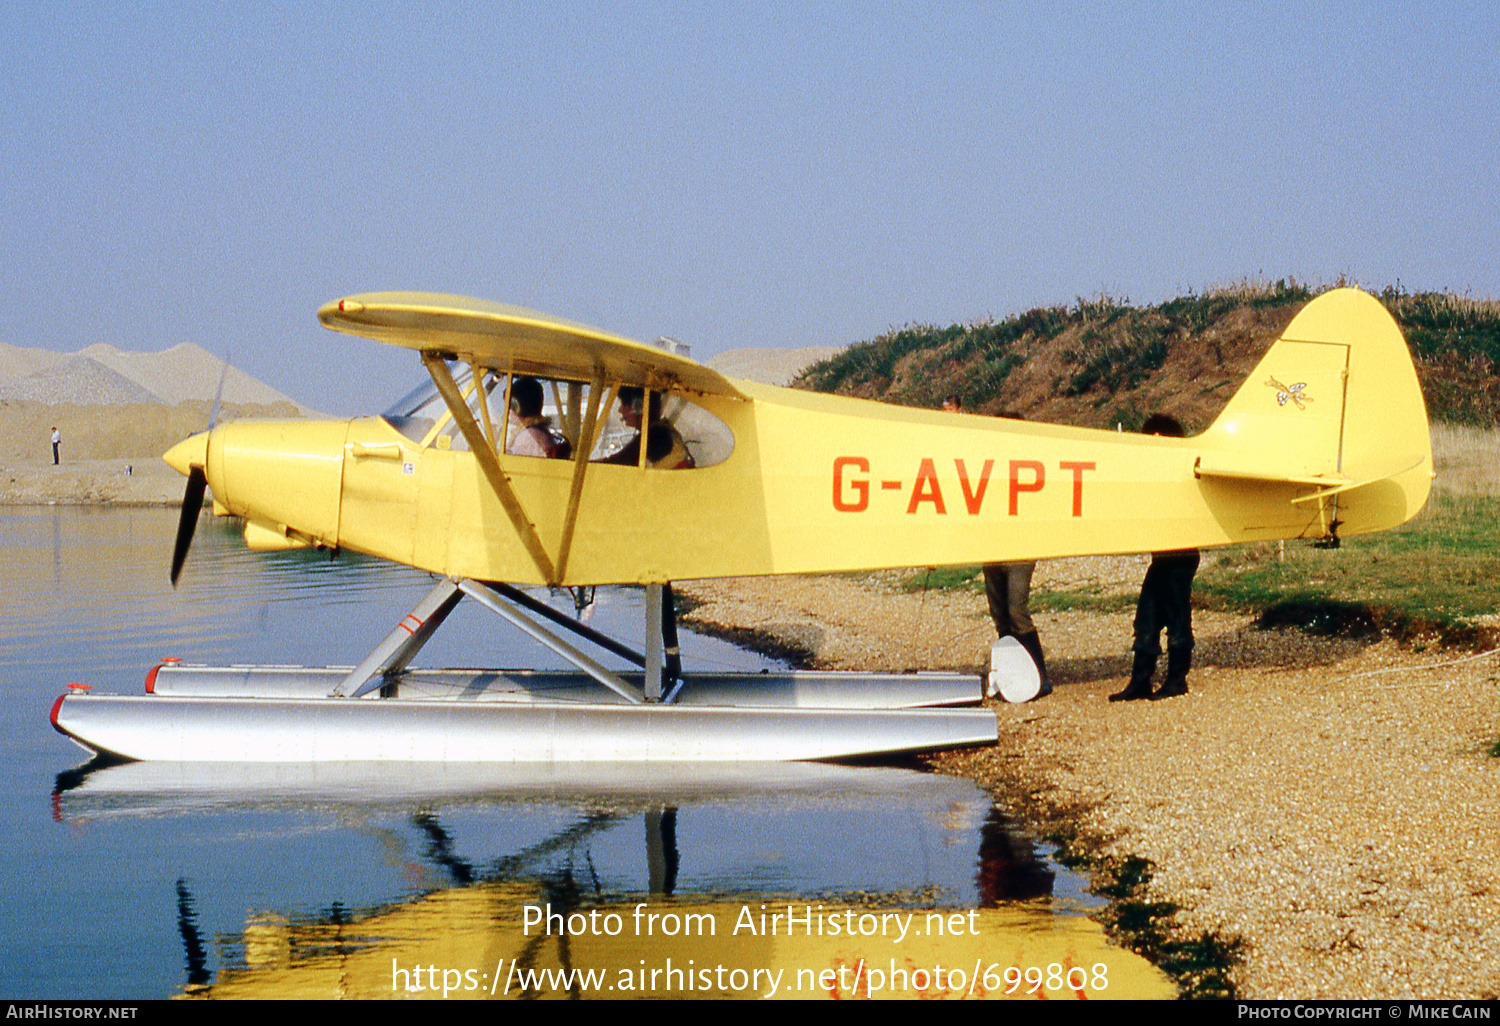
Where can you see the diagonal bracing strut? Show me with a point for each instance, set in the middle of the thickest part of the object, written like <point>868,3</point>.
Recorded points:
<point>403,643</point>
<point>401,646</point>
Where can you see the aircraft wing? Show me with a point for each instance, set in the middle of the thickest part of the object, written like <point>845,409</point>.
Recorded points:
<point>509,338</point>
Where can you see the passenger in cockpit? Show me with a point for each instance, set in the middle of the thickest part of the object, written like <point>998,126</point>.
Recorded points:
<point>665,449</point>
<point>535,435</point>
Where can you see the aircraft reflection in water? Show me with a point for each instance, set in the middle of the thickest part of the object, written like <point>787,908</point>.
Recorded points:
<point>944,901</point>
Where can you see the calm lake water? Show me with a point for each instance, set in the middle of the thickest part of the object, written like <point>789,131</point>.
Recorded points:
<point>150,881</point>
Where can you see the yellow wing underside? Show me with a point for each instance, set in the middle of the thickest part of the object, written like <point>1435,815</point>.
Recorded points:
<point>511,339</point>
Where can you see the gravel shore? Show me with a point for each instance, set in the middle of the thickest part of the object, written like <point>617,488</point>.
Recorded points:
<point>142,481</point>
<point>1330,804</point>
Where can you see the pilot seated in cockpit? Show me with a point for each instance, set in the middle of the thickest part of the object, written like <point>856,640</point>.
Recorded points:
<point>665,449</point>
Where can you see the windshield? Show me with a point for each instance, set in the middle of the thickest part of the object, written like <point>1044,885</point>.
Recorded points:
<point>418,411</point>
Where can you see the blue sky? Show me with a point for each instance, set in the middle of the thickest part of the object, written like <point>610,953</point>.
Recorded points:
<point>730,174</point>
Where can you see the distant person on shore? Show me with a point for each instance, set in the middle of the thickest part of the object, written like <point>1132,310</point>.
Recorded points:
<point>953,404</point>
<point>56,445</point>
<point>1166,603</point>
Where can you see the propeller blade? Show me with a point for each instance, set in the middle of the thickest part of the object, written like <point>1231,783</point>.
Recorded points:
<point>197,484</point>
<point>213,416</point>
<point>192,506</point>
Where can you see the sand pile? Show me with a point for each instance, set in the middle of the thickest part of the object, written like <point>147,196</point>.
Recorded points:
<point>182,373</point>
<point>108,431</point>
<point>117,411</point>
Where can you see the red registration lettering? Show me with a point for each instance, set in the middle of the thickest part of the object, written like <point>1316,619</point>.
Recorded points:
<point>1038,479</point>
<point>926,489</point>
<point>860,487</point>
<point>1077,469</point>
<point>974,498</point>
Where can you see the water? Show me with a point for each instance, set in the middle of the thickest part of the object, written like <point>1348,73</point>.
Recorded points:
<point>147,881</point>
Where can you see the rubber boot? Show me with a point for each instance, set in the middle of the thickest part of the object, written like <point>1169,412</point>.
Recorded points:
<point>1179,661</point>
<point>1033,646</point>
<point>1140,679</point>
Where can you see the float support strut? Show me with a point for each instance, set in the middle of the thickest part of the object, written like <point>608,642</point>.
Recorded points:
<point>487,597</point>
<point>401,646</point>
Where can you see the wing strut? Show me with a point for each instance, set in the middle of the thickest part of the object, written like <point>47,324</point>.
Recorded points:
<point>581,451</point>
<point>484,453</point>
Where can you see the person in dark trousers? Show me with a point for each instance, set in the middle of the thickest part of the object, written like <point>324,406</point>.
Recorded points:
<point>1166,603</point>
<point>1007,587</point>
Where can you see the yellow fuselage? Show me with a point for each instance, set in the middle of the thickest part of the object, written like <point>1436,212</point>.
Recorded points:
<point>824,483</point>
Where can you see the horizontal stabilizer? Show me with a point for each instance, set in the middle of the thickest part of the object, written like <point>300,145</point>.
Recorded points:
<point>1225,466</point>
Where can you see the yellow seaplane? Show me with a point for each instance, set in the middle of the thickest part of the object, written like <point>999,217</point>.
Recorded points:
<point>653,468</point>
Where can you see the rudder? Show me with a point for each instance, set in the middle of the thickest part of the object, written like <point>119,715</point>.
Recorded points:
<point>1335,404</point>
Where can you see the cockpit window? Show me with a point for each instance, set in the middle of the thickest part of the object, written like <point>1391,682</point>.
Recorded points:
<point>422,416</point>
<point>415,413</point>
<point>682,436</point>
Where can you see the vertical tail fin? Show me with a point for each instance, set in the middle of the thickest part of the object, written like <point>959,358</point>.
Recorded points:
<point>1334,405</point>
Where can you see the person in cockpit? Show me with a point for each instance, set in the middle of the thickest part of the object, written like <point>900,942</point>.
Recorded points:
<point>665,449</point>
<point>534,435</point>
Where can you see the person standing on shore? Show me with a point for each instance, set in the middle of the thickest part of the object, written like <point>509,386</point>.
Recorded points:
<point>1166,603</point>
<point>56,445</point>
<point>1007,587</point>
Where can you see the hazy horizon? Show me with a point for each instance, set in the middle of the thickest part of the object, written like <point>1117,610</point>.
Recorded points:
<point>732,175</point>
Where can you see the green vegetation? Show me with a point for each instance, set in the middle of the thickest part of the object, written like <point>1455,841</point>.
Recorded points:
<point>944,578</point>
<point>1456,342</point>
<point>1431,578</point>
<point>1438,324</point>
<point>1096,597</point>
<point>1103,361</point>
<point>1200,965</point>
<point>987,353</point>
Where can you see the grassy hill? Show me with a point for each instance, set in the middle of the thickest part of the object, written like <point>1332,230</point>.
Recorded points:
<point>1100,362</point>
